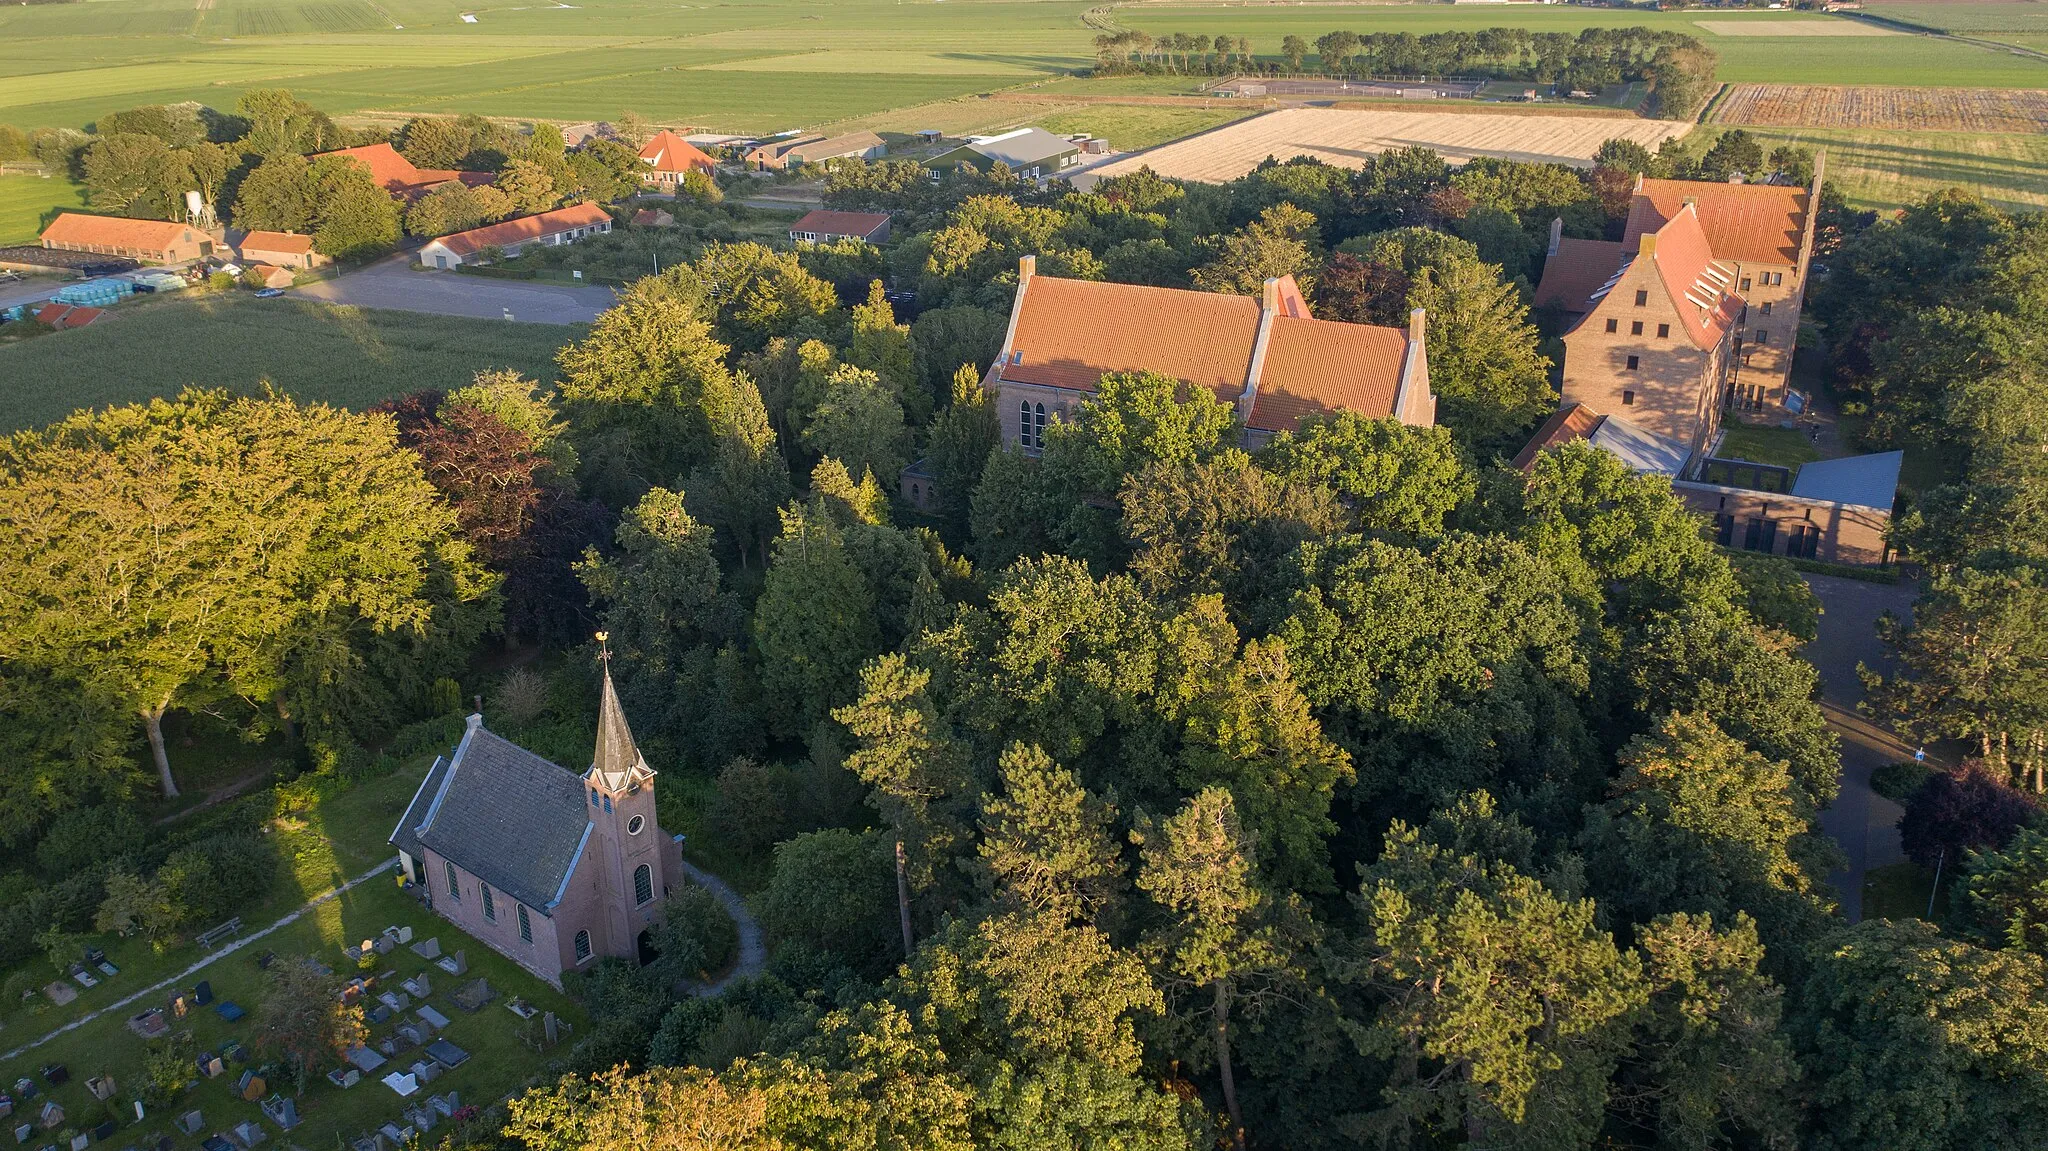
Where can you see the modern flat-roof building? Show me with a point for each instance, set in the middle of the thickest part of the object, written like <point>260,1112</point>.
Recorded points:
<point>510,237</point>
<point>1030,153</point>
<point>778,154</point>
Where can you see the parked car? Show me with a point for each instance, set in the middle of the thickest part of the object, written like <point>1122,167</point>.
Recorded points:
<point>269,293</point>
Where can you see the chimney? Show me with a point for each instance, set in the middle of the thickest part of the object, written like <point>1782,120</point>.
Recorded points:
<point>1415,324</point>
<point>1027,267</point>
<point>1639,183</point>
<point>1556,234</point>
<point>1271,303</point>
<point>1646,244</point>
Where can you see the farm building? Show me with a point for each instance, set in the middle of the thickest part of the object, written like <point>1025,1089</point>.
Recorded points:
<point>64,316</point>
<point>1695,311</point>
<point>653,218</point>
<point>510,237</point>
<point>1268,358</point>
<point>1031,153</point>
<point>668,157</point>
<point>278,249</point>
<point>270,275</point>
<point>397,175</point>
<point>776,155</point>
<point>824,227</point>
<point>155,241</point>
<point>1835,511</point>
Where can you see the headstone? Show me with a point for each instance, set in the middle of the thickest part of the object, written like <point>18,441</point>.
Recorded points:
<point>190,1122</point>
<point>203,994</point>
<point>386,945</point>
<point>6,1106</point>
<point>138,1110</point>
<point>101,1086</point>
<point>447,1104</point>
<point>23,1133</point>
<point>405,934</point>
<point>214,1067</point>
<point>547,1024</point>
<point>56,1074</point>
<point>60,992</point>
<point>428,949</point>
<point>104,1131</point>
<point>249,1133</point>
<point>81,1141</point>
<point>432,1017</point>
<point>26,1088</point>
<point>52,1116</point>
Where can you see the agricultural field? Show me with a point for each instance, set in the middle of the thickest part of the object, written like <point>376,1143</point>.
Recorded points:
<point>1898,109</point>
<point>1886,170</point>
<point>350,357</point>
<point>1767,47</point>
<point>1988,20</point>
<point>1347,139</point>
<point>27,203</point>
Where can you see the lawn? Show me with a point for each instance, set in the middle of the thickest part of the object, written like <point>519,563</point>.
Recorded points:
<point>347,356</point>
<point>1129,127</point>
<point>1786,447</point>
<point>342,835</point>
<point>1899,891</point>
<point>28,203</point>
<point>1884,170</point>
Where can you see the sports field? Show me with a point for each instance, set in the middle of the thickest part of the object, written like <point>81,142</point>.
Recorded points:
<point>768,64</point>
<point>1348,139</point>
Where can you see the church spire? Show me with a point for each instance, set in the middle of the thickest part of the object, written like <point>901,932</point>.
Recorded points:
<point>617,764</point>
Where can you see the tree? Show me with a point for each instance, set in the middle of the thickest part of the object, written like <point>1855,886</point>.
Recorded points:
<point>529,186</point>
<point>834,891</point>
<point>815,623</point>
<point>1960,811</point>
<point>354,218</point>
<point>1046,841</point>
<point>958,447</point>
<point>302,1020</point>
<point>276,196</point>
<point>1504,1007</point>
<point>453,207</point>
<point>436,142</point>
<point>745,481</point>
<point>1294,48</point>
<point>1625,156</point>
<point>1216,935</point>
<point>207,547</point>
<point>917,773</point>
<point>1736,151</point>
<point>2006,892</point>
<point>858,422</point>
<point>1392,478</point>
<point>134,904</point>
<point>1276,244</point>
<point>281,124</point>
<point>1921,1043</point>
<point>1360,291</point>
<point>135,175</point>
<point>1220,525</point>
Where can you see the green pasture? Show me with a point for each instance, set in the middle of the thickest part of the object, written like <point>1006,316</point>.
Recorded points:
<point>27,203</point>
<point>351,357</point>
<point>1967,19</point>
<point>341,835</point>
<point>1886,170</point>
<point>1130,127</point>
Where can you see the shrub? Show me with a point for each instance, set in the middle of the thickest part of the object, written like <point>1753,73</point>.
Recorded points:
<point>221,282</point>
<point>835,891</point>
<point>84,836</point>
<point>696,937</point>
<point>1959,811</point>
<point>1898,781</point>
<point>522,696</point>
<point>444,696</point>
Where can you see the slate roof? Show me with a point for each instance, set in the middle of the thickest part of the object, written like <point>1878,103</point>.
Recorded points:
<point>1870,481</point>
<point>617,763</point>
<point>501,813</point>
<point>1754,223</point>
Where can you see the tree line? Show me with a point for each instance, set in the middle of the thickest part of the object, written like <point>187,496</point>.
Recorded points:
<point>1679,68</point>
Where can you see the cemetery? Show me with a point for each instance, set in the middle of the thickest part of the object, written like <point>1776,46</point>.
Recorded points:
<point>448,1025</point>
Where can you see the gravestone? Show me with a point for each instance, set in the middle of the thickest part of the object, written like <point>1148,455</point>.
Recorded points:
<point>190,1122</point>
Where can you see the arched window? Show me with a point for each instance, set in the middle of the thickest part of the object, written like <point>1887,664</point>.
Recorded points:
<point>490,908</point>
<point>582,946</point>
<point>525,925</point>
<point>643,884</point>
<point>1038,428</point>
<point>1024,423</point>
<point>454,888</point>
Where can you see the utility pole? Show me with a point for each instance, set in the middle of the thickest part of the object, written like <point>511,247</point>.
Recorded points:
<point>903,900</point>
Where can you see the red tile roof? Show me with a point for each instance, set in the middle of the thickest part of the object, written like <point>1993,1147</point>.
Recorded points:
<point>115,232</point>
<point>63,316</point>
<point>509,232</point>
<point>1319,366</point>
<point>1698,286</point>
<point>289,242</point>
<point>1070,333</point>
<point>397,175</point>
<point>1575,422</point>
<point>668,152</point>
<point>1575,271</point>
<point>1754,223</point>
<point>828,223</point>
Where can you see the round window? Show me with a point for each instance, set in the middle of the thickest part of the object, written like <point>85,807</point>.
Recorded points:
<point>634,824</point>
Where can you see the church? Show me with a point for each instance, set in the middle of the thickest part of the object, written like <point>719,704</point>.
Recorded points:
<point>550,868</point>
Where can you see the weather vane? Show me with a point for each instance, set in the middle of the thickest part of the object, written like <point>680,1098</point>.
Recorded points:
<point>604,652</point>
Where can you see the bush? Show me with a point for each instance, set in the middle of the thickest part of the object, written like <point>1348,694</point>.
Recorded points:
<point>522,697</point>
<point>84,836</point>
<point>696,938</point>
<point>1956,812</point>
<point>835,891</point>
<point>1898,781</point>
<point>221,282</point>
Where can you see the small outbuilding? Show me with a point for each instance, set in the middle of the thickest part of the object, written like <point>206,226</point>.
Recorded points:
<point>279,250</point>
<point>825,227</point>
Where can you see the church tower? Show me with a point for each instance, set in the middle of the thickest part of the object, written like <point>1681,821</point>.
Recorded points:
<point>626,838</point>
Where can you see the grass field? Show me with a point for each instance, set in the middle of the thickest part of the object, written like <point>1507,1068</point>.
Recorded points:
<point>1786,447</point>
<point>2003,110</point>
<point>27,203</point>
<point>346,356</point>
<point>1885,170</point>
<point>770,64</point>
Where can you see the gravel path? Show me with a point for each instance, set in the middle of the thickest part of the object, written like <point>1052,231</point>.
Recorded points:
<point>221,952</point>
<point>753,952</point>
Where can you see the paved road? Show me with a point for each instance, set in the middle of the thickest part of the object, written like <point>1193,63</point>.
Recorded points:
<point>1863,822</point>
<point>753,952</point>
<point>223,951</point>
<point>30,289</point>
<point>391,283</point>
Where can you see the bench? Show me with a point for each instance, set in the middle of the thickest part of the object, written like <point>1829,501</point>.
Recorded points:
<point>211,939</point>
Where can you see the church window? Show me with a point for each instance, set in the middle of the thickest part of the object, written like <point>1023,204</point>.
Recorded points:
<point>1024,422</point>
<point>1038,429</point>
<point>454,888</point>
<point>607,805</point>
<point>643,884</point>
<point>634,825</point>
<point>490,907</point>
<point>525,925</point>
<point>593,797</point>
<point>582,946</point>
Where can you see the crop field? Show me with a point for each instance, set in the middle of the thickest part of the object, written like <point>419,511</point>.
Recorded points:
<point>1347,139</point>
<point>1886,170</point>
<point>350,357</point>
<point>1817,27</point>
<point>27,203</point>
<point>1969,19</point>
<point>1899,109</point>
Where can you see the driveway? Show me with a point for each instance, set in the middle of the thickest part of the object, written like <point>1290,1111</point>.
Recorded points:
<point>391,283</point>
<point>30,289</point>
<point>1863,822</point>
